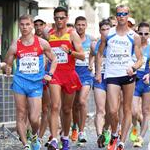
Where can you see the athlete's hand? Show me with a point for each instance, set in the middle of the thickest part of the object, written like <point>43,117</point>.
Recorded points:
<point>146,78</point>
<point>8,70</point>
<point>90,68</point>
<point>98,78</point>
<point>130,71</point>
<point>65,48</point>
<point>2,64</point>
<point>47,77</point>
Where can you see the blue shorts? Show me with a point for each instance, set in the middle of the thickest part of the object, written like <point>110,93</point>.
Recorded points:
<point>27,87</point>
<point>141,88</point>
<point>102,85</point>
<point>121,80</point>
<point>86,76</point>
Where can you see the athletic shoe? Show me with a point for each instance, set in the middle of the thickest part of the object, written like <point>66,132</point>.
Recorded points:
<point>107,136</point>
<point>52,145</point>
<point>82,137</point>
<point>133,134</point>
<point>27,147</point>
<point>49,139</point>
<point>101,141</point>
<point>149,146</point>
<point>113,143</point>
<point>120,147</point>
<point>74,135</point>
<point>138,142</point>
<point>65,144</point>
<point>29,135</point>
<point>36,145</point>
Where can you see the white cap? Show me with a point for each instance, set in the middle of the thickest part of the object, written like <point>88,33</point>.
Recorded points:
<point>131,20</point>
<point>36,18</point>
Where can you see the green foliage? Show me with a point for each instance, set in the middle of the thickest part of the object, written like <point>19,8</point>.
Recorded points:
<point>139,9</point>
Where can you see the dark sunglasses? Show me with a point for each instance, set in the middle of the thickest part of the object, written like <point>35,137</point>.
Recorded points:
<point>141,33</point>
<point>59,18</point>
<point>119,14</point>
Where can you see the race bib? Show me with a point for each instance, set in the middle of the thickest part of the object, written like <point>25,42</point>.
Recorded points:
<point>29,65</point>
<point>85,62</point>
<point>62,56</point>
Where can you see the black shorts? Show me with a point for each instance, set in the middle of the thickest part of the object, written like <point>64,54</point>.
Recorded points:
<point>121,80</point>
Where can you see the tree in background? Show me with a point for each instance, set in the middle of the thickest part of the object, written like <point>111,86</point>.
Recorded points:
<point>140,10</point>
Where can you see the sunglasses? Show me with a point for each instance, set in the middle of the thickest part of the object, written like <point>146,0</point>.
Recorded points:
<point>141,33</point>
<point>119,14</point>
<point>59,18</point>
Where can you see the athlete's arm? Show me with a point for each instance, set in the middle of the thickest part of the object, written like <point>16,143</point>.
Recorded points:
<point>49,54</point>
<point>92,56</point>
<point>79,53</point>
<point>138,54</point>
<point>99,58</point>
<point>10,57</point>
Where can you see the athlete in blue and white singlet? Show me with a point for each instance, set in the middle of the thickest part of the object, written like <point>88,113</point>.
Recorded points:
<point>120,70</point>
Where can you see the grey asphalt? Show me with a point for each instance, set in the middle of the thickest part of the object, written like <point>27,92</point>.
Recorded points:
<point>10,144</point>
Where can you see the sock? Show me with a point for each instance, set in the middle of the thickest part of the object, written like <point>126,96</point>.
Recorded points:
<point>65,137</point>
<point>55,139</point>
<point>74,126</point>
<point>114,134</point>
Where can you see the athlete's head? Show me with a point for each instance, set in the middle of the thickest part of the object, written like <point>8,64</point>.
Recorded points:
<point>143,31</point>
<point>80,25</point>
<point>39,25</point>
<point>60,17</point>
<point>26,24</point>
<point>104,26</point>
<point>122,14</point>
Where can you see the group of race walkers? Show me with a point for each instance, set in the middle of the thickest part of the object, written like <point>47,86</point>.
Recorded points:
<point>58,67</point>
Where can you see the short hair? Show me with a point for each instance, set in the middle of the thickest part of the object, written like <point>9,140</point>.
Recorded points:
<point>122,6</point>
<point>105,22</point>
<point>61,9</point>
<point>80,18</point>
<point>143,24</point>
<point>26,16</point>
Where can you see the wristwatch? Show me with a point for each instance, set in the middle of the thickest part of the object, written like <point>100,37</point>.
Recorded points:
<point>69,52</point>
<point>50,74</point>
<point>134,69</point>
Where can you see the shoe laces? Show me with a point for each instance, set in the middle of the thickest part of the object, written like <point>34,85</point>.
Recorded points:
<point>74,132</point>
<point>134,131</point>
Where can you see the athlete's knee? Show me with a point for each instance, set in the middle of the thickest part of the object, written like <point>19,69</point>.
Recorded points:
<point>34,118</point>
<point>66,110</point>
<point>44,109</point>
<point>54,107</point>
<point>83,102</point>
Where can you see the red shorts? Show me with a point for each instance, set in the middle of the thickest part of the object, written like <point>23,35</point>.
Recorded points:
<point>68,80</point>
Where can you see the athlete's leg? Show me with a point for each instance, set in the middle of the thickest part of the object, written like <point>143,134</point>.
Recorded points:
<point>100,101</point>
<point>135,109</point>
<point>113,92</point>
<point>127,109</point>
<point>21,114</point>
<point>145,112</point>
<point>34,109</point>
<point>84,92</point>
<point>45,111</point>
<point>55,96</point>
<point>66,108</point>
<point>75,110</point>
